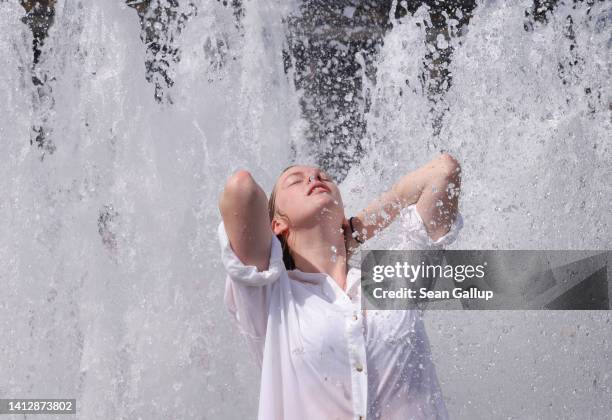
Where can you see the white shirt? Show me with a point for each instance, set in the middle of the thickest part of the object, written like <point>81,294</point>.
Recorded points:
<point>322,356</point>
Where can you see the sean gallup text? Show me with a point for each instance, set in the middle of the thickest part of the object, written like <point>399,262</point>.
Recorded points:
<point>424,293</point>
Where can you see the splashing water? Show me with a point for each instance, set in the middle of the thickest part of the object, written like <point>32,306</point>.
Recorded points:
<point>110,262</point>
<point>528,115</point>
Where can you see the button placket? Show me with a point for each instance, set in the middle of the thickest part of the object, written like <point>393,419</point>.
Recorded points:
<point>357,361</point>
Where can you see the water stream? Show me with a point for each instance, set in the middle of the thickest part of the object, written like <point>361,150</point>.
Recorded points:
<point>111,273</point>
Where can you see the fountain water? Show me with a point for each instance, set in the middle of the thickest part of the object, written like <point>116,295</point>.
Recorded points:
<point>111,270</point>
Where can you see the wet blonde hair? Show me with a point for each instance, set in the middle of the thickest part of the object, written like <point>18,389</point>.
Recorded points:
<point>273,211</point>
<point>287,257</point>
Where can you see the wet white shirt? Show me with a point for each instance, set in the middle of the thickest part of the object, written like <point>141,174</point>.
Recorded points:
<point>321,355</point>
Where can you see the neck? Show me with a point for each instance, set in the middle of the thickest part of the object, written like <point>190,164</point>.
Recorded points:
<point>321,249</point>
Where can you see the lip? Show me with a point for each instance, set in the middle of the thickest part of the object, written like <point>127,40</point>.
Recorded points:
<point>318,184</point>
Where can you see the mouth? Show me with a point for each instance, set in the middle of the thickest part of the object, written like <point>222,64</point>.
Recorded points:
<point>318,187</point>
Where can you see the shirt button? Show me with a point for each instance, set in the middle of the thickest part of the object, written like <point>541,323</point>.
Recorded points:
<point>355,317</point>
<point>359,367</point>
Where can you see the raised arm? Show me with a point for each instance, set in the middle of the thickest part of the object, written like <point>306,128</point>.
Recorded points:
<point>434,188</point>
<point>244,209</point>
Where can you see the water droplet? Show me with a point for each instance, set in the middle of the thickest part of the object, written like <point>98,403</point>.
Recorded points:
<point>441,42</point>
<point>334,256</point>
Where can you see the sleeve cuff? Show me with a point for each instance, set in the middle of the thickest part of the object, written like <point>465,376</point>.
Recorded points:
<point>417,234</point>
<point>248,274</point>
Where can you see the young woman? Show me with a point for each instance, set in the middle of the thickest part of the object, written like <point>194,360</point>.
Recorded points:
<point>297,303</point>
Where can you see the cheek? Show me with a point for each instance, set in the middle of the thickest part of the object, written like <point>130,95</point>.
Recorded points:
<point>290,203</point>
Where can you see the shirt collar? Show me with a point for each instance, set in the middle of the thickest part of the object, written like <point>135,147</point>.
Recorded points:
<point>353,279</point>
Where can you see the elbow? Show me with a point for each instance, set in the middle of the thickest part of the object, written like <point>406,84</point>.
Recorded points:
<point>450,169</point>
<point>240,181</point>
<point>240,186</point>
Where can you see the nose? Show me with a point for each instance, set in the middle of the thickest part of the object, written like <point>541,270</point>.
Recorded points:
<point>315,174</point>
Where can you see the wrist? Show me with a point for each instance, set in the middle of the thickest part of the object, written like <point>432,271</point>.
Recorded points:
<point>354,233</point>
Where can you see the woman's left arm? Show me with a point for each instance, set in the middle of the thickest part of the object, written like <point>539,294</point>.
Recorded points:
<point>434,188</point>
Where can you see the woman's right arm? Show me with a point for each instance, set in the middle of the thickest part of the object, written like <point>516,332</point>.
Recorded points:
<point>251,255</point>
<point>244,210</point>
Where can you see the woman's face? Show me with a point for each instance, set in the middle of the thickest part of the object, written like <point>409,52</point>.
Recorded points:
<point>303,205</point>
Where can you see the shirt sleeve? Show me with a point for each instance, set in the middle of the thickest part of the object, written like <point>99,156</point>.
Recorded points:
<point>247,290</point>
<point>418,236</point>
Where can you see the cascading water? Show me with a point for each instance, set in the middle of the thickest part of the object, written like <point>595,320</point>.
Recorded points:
<point>110,263</point>
<point>528,115</point>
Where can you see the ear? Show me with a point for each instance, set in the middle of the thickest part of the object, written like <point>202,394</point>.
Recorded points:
<point>278,226</point>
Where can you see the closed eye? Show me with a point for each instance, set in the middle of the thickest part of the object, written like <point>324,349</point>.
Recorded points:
<point>297,179</point>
